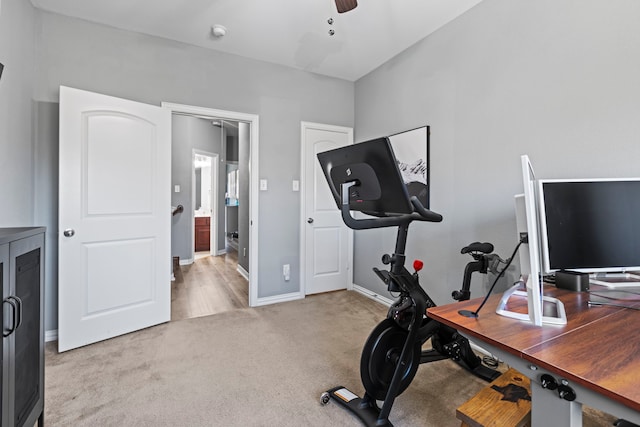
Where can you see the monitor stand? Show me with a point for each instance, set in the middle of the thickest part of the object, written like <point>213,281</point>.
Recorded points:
<point>616,280</point>
<point>553,307</point>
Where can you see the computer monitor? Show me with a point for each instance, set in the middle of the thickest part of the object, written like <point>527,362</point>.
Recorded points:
<point>540,308</point>
<point>372,164</point>
<point>590,225</point>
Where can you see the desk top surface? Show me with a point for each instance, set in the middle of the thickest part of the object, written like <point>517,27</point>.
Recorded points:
<point>599,347</point>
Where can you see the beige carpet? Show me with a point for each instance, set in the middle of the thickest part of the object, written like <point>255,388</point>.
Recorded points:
<point>251,367</point>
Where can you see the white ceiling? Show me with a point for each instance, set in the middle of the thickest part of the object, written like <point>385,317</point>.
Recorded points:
<point>294,33</point>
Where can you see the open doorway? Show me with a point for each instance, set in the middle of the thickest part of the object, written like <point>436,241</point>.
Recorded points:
<point>205,204</point>
<point>225,166</point>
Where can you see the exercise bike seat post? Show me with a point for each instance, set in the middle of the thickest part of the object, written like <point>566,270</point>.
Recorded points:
<point>478,251</point>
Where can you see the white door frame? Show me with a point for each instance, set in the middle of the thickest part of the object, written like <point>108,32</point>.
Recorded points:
<point>253,121</point>
<point>303,220</point>
<point>213,225</point>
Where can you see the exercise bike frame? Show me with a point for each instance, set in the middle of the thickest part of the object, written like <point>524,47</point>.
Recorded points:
<point>409,313</point>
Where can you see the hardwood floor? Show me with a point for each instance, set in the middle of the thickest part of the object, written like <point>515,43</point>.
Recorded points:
<point>208,286</point>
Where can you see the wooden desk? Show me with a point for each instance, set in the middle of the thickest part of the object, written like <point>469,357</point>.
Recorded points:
<point>597,353</point>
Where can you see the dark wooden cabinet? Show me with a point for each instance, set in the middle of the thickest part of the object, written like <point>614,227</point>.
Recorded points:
<point>21,277</point>
<point>203,233</point>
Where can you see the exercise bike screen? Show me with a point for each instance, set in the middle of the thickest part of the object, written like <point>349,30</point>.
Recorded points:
<point>380,189</point>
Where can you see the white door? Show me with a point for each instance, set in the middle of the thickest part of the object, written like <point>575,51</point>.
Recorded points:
<point>327,242</point>
<point>114,217</point>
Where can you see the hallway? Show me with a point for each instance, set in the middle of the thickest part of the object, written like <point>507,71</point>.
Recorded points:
<point>208,286</point>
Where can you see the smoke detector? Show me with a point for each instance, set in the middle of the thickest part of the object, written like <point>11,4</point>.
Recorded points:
<point>218,31</point>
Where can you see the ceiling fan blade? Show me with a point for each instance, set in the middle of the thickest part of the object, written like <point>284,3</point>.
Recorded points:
<point>346,5</point>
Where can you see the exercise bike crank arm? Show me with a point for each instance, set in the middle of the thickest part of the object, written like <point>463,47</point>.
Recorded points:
<point>427,330</point>
<point>397,375</point>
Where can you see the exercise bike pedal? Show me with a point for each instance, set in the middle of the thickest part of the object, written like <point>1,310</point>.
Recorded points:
<point>483,372</point>
<point>366,410</point>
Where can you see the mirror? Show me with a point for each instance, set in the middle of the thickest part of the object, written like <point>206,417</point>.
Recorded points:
<point>232,191</point>
<point>203,200</point>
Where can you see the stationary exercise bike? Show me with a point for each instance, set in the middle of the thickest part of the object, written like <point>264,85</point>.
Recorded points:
<point>365,177</point>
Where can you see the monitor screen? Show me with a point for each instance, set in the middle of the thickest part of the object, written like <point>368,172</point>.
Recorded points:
<point>541,309</point>
<point>590,225</point>
<point>530,259</point>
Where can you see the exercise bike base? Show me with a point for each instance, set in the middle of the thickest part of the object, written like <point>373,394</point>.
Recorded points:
<point>369,413</point>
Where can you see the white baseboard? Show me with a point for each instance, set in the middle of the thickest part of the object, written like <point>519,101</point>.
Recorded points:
<point>186,261</point>
<point>244,273</point>
<point>278,298</point>
<point>370,294</point>
<point>50,335</point>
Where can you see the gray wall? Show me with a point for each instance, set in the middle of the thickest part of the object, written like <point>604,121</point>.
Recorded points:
<point>46,200</point>
<point>553,79</point>
<point>244,158</point>
<point>557,80</point>
<point>232,151</point>
<point>232,140</point>
<point>28,171</point>
<point>232,219</point>
<point>102,59</point>
<point>17,113</point>
<point>188,133</point>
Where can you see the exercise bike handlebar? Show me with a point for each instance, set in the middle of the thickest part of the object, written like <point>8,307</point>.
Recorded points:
<point>425,214</point>
<point>420,213</point>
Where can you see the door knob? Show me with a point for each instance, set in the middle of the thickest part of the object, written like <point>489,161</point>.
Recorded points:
<point>310,220</point>
<point>69,232</point>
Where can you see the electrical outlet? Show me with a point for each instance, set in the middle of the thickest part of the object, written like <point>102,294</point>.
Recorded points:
<point>286,272</point>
